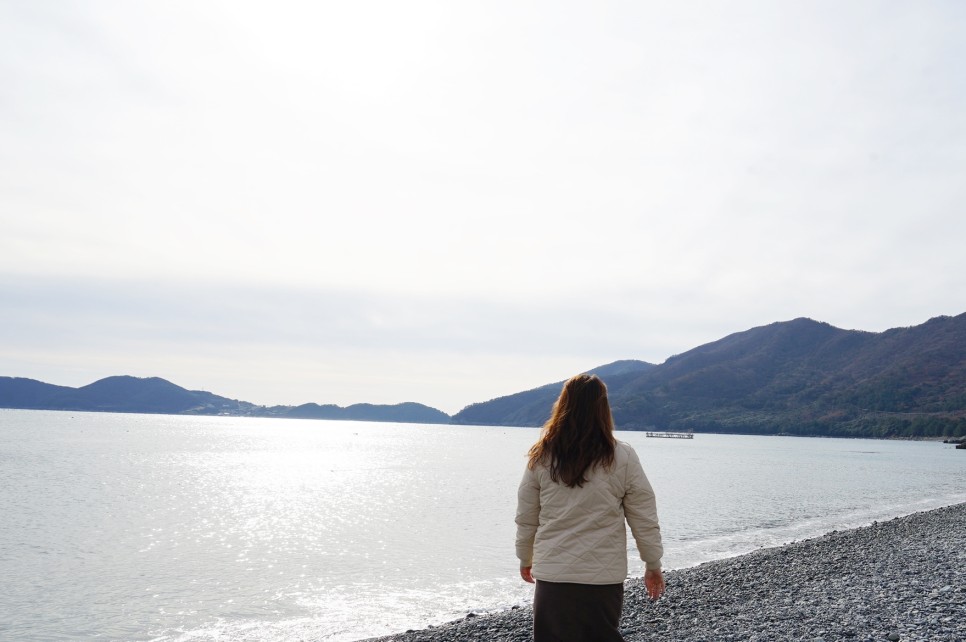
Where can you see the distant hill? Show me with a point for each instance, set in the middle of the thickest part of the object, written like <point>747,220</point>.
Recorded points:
<point>806,377</point>
<point>532,407</point>
<point>797,377</point>
<point>155,395</point>
<point>408,412</point>
<point>117,394</point>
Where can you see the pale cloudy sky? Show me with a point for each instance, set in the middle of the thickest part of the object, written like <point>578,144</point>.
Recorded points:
<point>449,201</point>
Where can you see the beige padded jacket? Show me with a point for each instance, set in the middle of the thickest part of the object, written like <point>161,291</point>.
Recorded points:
<point>577,535</point>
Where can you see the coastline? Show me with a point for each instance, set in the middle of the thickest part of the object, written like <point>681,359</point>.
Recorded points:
<point>902,579</point>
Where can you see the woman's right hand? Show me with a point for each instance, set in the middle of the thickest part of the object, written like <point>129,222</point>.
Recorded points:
<point>654,582</point>
<point>525,574</point>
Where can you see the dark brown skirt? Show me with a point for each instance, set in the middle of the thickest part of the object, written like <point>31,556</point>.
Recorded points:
<point>577,612</point>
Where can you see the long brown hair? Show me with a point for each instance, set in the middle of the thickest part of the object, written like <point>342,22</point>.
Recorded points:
<point>579,434</point>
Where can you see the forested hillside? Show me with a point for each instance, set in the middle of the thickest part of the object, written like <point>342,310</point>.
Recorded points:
<point>797,377</point>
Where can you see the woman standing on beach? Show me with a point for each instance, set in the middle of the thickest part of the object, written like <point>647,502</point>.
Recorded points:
<point>579,486</point>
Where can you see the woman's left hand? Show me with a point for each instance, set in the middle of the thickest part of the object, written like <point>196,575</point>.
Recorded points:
<point>654,581</point>
<point>525,574</point>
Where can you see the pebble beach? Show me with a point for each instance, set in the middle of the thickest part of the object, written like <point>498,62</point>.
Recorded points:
<point>902,579</point>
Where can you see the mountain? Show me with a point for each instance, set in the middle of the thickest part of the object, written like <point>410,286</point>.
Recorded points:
<point>532,407</point>
<point>156,395</point>
<point>117,394</point>
<point>17,392</point>
<point>408,412</point>
<point>798,377</point>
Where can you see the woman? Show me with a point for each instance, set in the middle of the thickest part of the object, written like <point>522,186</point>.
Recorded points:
<point>579,486</point>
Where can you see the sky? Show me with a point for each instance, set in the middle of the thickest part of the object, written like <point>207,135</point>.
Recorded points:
<point>446,202</point>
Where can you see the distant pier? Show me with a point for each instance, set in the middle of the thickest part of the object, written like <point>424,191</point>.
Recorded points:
<point>667,434</point>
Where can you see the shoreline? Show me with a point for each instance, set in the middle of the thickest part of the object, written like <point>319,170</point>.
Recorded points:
<point>901,579</point>
<point>941,439</point>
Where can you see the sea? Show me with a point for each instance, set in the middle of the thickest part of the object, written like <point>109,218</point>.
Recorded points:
<point>179,528</point>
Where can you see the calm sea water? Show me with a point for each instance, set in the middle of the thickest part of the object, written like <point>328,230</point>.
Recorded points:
<point>148,527</point>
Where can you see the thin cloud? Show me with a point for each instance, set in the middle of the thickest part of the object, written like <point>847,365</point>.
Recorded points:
<point>540,185</point>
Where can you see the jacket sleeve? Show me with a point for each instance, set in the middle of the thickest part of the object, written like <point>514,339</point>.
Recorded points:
<point>528,516</point>
<point>640,509</point>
